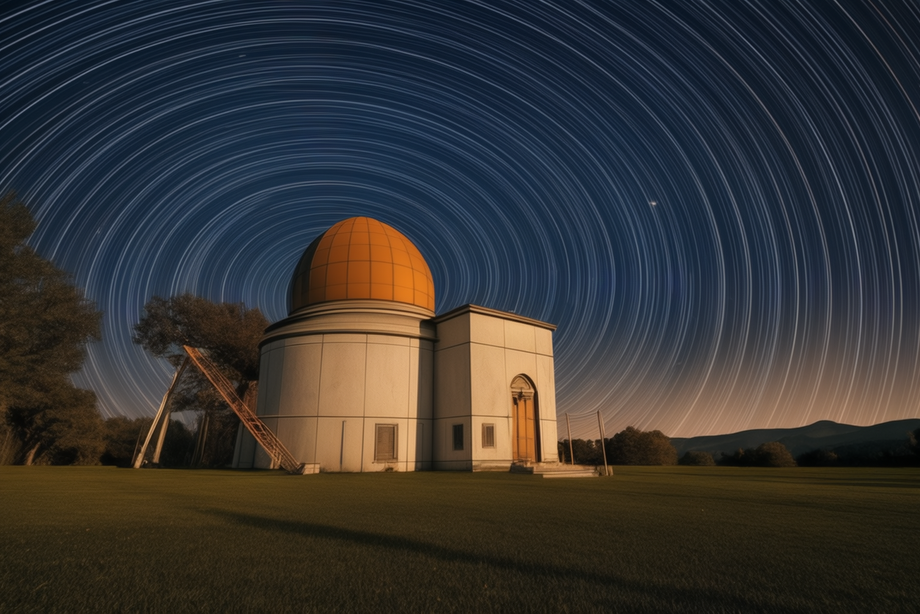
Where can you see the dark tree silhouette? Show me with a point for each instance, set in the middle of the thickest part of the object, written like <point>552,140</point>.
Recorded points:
<point>773,454</point>
<point>770,454</point>
<point>124,435</point>
<point>587,452</point>
<point>45,324</point>
<point>230,333</point>
<point>817,458</point>
<point>697,459</point>
<point>634,447</point>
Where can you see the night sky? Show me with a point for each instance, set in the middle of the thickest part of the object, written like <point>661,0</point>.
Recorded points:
<point>717,203</point>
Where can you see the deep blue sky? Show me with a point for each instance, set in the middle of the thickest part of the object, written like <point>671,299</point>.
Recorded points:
<point>200,146</point>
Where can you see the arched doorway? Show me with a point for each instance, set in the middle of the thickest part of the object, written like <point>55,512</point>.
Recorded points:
<point>524,442</point>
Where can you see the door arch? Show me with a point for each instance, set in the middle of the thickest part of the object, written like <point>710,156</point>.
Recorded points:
<point>525,445</point>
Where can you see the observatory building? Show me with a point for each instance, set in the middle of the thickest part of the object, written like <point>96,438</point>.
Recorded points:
<point>363,376</point>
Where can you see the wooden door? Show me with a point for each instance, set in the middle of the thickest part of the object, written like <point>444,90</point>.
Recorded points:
<point>523,446</point>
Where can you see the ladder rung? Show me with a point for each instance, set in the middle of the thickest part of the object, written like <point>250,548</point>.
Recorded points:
<point>266,438</point>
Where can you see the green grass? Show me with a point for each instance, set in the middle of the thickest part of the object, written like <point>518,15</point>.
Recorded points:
<point>650,539</point>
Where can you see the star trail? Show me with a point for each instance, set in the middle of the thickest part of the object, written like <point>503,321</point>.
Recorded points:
<point>716,202</point>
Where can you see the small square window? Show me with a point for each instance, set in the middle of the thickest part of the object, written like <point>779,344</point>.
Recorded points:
<point>458,437</point>
<point>488,435</point>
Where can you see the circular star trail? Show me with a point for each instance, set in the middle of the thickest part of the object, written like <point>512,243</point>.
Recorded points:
<point>717,203</point>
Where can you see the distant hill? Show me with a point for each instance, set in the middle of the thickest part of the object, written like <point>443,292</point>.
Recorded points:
<point>825,435</point>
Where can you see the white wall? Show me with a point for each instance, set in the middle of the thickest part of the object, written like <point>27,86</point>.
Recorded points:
<point>452,394</point>
<point>323,394</point>
<point>478,353</point>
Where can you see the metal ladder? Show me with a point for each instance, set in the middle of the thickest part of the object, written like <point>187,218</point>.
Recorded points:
<point>266,438</point>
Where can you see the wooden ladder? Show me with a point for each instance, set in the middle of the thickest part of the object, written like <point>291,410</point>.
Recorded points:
<point>266,438</point>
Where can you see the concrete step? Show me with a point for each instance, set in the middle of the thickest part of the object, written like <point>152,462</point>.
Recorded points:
<point>585,473</point>
<point>521,468</point>
<point>556,470</point>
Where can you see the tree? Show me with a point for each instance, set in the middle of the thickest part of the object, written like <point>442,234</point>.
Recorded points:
<point>9,446</point>
<point>624,447</point>
<point>587,452</point>
<point>230,333</point>
<point>817,458</point>
<point>634,447</point>
<point>63,429</point>
<point>773,454</point>
<point>45,324</point>
<point>770,454</point>
<point>697,459</point>
<point>738,458</point>
<point>123,436</point>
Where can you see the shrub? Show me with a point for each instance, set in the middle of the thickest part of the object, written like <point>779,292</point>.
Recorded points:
<point>770,454</point>
<point>773,454</point>
<point>817,458</point>
<point>635,447</point>
<point>697,459</point>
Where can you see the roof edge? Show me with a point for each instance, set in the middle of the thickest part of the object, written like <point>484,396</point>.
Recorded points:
<point>495,313</point>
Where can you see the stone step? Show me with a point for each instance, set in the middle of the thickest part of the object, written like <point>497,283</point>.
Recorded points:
<point>584,473</point>
<point>556,470</point>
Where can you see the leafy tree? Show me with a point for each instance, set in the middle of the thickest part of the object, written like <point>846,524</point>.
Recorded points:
<point>770,454</point>
<point>45,323</point>
<point>9,444</point>
<point>773,454</point>
<point>634,447</point>
<point>63,428</point>
<point>123,436</point>
<point>817,458</point>
<point>738,458</point>
<point>230,333</point>
<point>587,452</point>
<point>697,459</point>
<point>624,447</point>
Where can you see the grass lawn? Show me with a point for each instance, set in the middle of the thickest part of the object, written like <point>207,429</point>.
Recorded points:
<point>656,539</point>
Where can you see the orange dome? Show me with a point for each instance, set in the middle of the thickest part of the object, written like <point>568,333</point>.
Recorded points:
<point>361,258</point>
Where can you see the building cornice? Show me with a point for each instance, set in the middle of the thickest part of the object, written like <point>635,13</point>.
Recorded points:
<point>505,315</point>
<point>355,316</point>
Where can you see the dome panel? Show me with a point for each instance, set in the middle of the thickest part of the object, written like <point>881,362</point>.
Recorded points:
<point>381,273</point>
<point>318,277</point>
<point>338,253</point>
<point>401,258</point>
<point>359,272</point>
<point>382,292</point>
<point>403,295</point>
<point>336,274</point>
<point>362,258</point>
<point>359,252</point>
<point>337,292</point>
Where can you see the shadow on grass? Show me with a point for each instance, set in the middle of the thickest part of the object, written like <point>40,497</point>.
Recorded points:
<point>616,589</point>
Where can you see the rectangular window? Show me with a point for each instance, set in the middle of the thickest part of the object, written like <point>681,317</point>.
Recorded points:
<point>385,448</point>
<point>488,435</point>
<point>458,437</point>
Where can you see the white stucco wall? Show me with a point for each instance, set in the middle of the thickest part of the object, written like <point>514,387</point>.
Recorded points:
<point>323,393</point>
<point>477,355</point>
